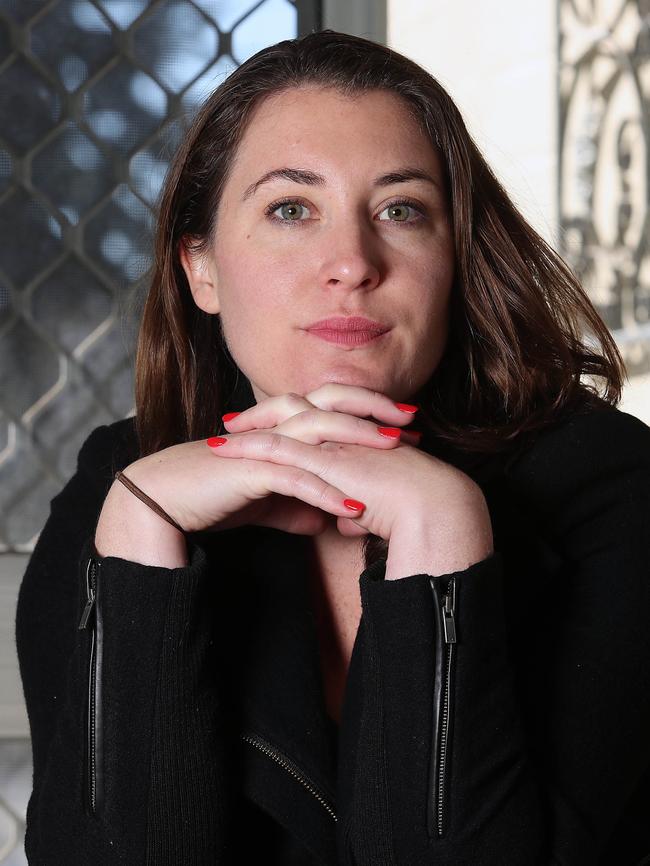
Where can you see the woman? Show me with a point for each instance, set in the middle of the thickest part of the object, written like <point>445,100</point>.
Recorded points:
<point>319,638</point>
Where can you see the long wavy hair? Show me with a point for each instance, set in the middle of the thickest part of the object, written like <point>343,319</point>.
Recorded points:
<point>525,343</point>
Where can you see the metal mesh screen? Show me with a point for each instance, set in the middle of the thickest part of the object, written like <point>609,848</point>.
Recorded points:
<point>94,97</point>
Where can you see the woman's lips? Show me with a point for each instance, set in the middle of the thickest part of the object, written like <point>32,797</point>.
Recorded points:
<point>347,338</point>
<point>347,323</point>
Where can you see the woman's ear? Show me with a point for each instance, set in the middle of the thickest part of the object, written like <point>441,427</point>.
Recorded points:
<point>201,277</point>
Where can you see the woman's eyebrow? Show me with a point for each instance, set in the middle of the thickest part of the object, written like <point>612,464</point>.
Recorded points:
<point>311,178</point>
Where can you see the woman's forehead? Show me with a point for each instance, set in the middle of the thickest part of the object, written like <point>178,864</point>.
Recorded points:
<point>323,109</point>
<point>370,131</point>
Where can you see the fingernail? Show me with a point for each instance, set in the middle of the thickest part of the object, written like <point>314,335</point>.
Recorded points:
<point>353,504</point>
<point>229,416</point>
<point>214,441</point>
<point>391,432</point>
<point>406,407</point>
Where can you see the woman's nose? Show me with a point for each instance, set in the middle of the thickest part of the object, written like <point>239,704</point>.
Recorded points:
<point>349,263</point>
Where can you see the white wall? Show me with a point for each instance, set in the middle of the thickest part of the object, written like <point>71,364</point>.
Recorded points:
<point>498,61</point>
<point>636,398</point>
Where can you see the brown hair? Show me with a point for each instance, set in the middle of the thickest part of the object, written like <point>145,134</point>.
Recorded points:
<point>515,356</point>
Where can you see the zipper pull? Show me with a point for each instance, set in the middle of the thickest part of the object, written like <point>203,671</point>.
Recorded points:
<point>90,591</point>
<point>448,611</point>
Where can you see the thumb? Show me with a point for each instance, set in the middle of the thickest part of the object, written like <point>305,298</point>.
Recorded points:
<point>350,528</point>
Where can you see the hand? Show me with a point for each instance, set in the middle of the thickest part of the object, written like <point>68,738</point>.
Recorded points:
<point>404,485</point>
<point>338,413</point>
<point>204,493</point>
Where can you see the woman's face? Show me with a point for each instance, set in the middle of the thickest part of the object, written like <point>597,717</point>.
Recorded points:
<point>341,229</point>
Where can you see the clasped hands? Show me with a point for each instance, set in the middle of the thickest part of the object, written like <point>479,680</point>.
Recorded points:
<point>433,515</point>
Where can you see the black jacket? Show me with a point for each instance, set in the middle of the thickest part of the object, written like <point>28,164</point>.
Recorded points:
<point>185,723</point>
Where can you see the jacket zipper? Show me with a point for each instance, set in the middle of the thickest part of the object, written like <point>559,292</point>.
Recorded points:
<point>292,768</point>
<point>89,621</point>
<point>443,708</point>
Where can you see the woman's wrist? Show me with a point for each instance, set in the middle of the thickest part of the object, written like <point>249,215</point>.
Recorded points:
<point>441,539</point>
<point>129,529</point>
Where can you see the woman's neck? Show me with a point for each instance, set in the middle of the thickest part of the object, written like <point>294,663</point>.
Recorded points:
<point>335,566</point>
<point>330,545</point>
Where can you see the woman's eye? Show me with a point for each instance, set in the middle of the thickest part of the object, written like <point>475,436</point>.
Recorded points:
<point>295,211</point>
<point>290,211</point>
<point>400,211</point>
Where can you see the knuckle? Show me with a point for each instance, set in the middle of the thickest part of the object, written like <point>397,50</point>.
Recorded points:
<point>329,455</point>
<point>274,443</point>
<point>320,488</point>
<point>322,389</point>
<point>303,481</point>
<point>331,446</point>
<point>312,416</point>
<point>325,393</point>
<point>292,400</point>
<point>361,425</point>
<point>328,388</point>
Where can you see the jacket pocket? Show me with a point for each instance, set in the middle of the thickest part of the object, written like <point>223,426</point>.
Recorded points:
<point>444,596</point>
<point>91,621</point>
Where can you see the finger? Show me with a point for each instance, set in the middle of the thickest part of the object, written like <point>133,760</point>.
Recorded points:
<point>364,402</point>
<point>264,477</point>
<point>332,396</point>
<point>266,445</point>
<point>268,413</point>
<point>316,426</point>
<point>350,528</point>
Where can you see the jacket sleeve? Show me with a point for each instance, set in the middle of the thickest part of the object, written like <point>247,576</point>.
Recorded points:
<point>440,761</point>
<point>123,711</point>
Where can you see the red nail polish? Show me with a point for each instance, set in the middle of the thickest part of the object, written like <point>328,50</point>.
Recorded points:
<point>391,432</point>
<point>406,407</point>
<point>229,416</point>
<point>214,441</point>
<point>353,504</point>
